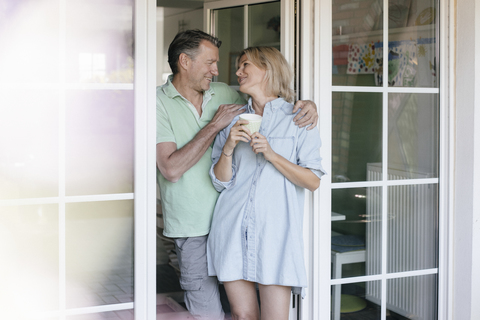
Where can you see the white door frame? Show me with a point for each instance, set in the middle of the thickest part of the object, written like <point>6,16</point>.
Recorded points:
<point>145,160</point>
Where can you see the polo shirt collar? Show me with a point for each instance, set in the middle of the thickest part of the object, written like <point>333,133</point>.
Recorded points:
<point>171,92</point>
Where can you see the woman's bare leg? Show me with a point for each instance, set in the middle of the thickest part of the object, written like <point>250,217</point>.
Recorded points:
<point>242,296</point>
<point>274,302</point>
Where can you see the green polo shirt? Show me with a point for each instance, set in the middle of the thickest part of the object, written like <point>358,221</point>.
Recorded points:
<point>188,204</point>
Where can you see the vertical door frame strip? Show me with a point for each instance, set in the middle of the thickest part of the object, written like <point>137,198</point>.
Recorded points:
<point>322,95</point>
<point>446,65</point>
<point>145,163</point>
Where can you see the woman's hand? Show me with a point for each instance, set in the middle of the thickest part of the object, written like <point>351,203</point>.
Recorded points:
<point>237,133</point>
<point>260,144</point>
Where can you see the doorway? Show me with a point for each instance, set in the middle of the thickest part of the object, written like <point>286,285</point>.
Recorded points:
<point>238,25</point>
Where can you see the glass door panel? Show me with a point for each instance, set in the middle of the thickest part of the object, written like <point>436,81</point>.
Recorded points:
<point>111,315</point>
<point>385,146</point>
<point>357,43</point>
<point>30,42</point>
<point>66,166</point>
<point>99,253</point>
<point>412,53</point>
<point>412,228</point>
<point>350,302</point>
<point>30,259</point>
<point>356,228</point>
<point>241,27</point>
<point>356,135</point>
<point>229,29</point>
<point>413,135</point>
<point>99,142</point>
<point>100,51</point>
<point>264,25</point>
<point>29,143</point>
<point>356,31</point>
<point>413,297</point>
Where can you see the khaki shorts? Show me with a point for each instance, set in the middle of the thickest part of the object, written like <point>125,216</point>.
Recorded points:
<point>202,295</point>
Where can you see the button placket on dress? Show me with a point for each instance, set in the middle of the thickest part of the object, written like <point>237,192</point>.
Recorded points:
<point>250,258</point>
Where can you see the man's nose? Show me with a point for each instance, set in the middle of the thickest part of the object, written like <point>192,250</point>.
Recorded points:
<point>214,70</point>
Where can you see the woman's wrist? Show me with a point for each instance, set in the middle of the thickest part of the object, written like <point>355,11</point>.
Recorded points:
<point>227,153</point>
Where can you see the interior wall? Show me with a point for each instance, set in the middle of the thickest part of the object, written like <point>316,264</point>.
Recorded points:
<point>170,21</point>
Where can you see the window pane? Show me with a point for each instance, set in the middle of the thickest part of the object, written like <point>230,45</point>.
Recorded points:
<point>412,242</point>
<point>99,253</point>
<point>413,135</point>
<point>229,29</point>
<point>353,301</point>
<point>102,49</point>
<point>412,55</point>
<point>99,142</point>
<point>264,25</point>
<point>356,30</point>
<point>356,135</point>
<point>28,143</point>
<point>413,297</point>
<point>29,272</point>
<point>112,315</point>
<point>356,232</point>
<point>30,42</point>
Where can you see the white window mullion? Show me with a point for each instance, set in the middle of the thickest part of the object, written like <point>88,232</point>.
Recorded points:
<point>383,308</point>
<point>61,160</point>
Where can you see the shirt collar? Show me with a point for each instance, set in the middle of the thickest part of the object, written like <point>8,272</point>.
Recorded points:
<point>274,105</point>
<point>171,92</point>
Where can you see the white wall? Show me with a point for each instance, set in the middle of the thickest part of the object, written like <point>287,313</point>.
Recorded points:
<point>168,25</point>
<point>466,255</point>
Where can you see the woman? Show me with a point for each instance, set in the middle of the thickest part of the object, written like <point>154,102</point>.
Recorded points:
<point>256,233</point>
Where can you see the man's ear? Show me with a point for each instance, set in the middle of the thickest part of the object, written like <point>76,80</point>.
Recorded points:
<point>183,61</point>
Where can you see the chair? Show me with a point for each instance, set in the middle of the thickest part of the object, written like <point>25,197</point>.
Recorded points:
<point>345,249</point>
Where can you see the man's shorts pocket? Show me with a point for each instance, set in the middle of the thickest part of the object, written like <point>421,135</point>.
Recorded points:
<point>191,283</point>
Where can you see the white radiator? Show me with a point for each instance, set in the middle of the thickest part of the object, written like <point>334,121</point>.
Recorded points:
<point>411,243</point>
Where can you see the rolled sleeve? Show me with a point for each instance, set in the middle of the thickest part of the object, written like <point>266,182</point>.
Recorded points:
<point>216,153</point>
<point>220,185</point>
<point>308,155</point>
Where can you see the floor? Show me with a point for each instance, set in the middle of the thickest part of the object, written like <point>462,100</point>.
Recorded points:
<point>117,287</point>
<point>371,312</point>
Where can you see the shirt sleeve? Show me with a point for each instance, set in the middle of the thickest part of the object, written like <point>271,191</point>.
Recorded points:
<point>216,153</point>
<point>308,151</point>
<point>164,128</point>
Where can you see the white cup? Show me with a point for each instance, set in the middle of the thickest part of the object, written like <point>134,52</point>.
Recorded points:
<point>254,121</point>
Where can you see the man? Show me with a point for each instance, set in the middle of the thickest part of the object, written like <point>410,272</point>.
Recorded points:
<point>189,116</point>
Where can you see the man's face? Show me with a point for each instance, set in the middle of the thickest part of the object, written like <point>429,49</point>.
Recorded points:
<point>203,67</point>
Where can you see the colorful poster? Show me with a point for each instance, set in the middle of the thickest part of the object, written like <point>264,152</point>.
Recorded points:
<point>402,63</point>
<point>361,58</point>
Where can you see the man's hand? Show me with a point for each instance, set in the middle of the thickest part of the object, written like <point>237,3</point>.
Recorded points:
<point>225,114</point>
<point>173,163</point>
<point>308,116</point>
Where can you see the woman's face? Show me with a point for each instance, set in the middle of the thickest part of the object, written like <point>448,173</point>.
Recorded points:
<point>250,78</point>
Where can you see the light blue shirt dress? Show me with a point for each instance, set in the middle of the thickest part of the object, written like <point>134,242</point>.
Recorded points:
<point>257,227</point>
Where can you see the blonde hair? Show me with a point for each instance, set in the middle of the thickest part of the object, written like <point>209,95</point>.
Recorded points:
<point>278,74</point>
